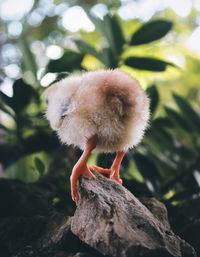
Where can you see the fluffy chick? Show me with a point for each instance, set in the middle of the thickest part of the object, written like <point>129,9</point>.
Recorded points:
<point>103,111</point>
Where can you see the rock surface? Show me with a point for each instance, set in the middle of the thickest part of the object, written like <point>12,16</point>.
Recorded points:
<point>109,221</point>
<point>114,222</point>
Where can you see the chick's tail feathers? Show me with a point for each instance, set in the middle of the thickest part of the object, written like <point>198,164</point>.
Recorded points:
<point>116,104</point>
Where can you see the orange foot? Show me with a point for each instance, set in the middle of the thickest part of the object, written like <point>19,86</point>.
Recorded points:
<point>79,169</point>
<point>112,173</point>
<point>100,170</point>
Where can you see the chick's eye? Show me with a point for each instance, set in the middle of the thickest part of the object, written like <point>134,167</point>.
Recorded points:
<point>47,101</point>
<point>64,112</point>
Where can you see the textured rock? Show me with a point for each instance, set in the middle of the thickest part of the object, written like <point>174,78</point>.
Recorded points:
<point>31,227</point>
<point>114,222</point>
<point>109,221</point>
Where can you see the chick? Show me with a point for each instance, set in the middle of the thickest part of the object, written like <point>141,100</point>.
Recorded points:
<point>102,111</point>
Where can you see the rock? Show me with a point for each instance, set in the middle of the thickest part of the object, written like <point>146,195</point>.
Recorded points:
<point>58,240</point>
<point>30,226</point>
<point>109,221</point>
<point>158,209</point>
<point>39,236</point>
<point>114,222</point>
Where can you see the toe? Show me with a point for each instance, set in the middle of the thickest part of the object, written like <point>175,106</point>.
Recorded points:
<point>74,191</point>
<point>99,169</point>
<point>90,174</point>
<point>119,180</point>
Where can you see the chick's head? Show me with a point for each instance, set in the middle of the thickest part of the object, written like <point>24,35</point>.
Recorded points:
<point>59,100</point>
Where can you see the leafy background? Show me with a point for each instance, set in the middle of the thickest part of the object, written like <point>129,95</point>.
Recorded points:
<point>166,164</point>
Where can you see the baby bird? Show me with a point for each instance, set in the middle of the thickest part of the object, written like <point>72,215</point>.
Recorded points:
<point>102,111</point>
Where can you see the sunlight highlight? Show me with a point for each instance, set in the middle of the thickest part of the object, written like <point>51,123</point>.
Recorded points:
<point>7,87</point>
<point>47,79</point>
<point>54,52</point>
<point>12,71</point>
<point>181,8</point>
<point>75,19</point>
<point>193,41</point>
<point>15,10</point>
<point>99,10</point>
<point>15,28</point>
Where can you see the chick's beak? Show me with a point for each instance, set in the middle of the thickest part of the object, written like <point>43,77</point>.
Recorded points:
<point>58,124</point>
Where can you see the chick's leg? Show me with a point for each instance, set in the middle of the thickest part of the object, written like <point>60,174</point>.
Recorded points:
<point>81,166</point>
<point>116,166</point>
<point>113,172</point>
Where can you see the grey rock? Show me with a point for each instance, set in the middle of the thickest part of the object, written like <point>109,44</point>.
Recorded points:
<point>114,222</point>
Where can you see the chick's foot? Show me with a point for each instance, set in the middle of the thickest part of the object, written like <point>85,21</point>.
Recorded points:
<point>116,177</point>
<point>112,173</point>
<point>100,170</point>
<point>77,171</point>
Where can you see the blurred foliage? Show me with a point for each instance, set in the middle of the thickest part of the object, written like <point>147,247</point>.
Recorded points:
<point>166,164</point>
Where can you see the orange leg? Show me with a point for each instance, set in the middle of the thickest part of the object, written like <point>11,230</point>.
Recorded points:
<point>113,172</point>
<point>81,166</point>
<point>116,166</point>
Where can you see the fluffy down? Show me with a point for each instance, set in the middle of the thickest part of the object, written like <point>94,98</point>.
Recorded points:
<point>108,103</point>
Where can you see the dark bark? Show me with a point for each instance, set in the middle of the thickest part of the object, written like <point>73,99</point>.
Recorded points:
<point>185,221</point>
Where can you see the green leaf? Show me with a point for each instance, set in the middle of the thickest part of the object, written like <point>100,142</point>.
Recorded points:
<point>185,194</point>
<point>137,188</point>
<point>151,31</point>
<point>162,122</point>
<point>6,99</point>
<point>160,143</point>
<point>48,28</point>
<point>113,34</point>
<point>6,109</point>
<point>110,28</point>
<point>68,62</point>
<point>108,58</point>
<point>148,170</point>
<point>152,93</point>
<point>9,153</point>
<point>39,166</point>
<point>22,94</point>
<point>87,49</point>
<point>179,176</point>
<point>145,63</point>
<point>177,119</point>
<point>97,22</point>
<point>2,127</point>
<point>188,112</point>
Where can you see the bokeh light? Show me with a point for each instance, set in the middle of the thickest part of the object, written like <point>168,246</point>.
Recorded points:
<point>54,52</point>
<point>15,29</point>
<point>99,10</point>
<point>15,10</point>
<point>47,79</point>
<point>75,19</point>
<point>12,71</point>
